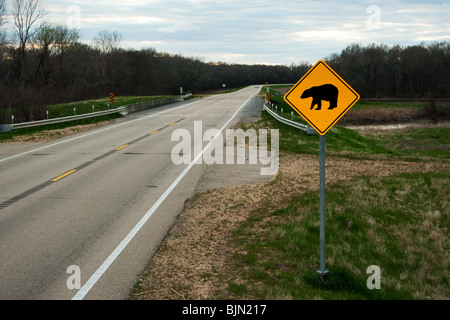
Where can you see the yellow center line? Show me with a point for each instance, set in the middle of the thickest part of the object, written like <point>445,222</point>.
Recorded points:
<point>120,148</point>
<point>64,175</point>
<point>117,149</point>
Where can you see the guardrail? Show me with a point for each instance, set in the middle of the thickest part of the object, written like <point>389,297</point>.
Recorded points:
<point>30,124</point>
<point>307,128</point>
<point>124,110</point>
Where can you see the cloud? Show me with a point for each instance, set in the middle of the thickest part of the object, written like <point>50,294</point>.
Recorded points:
<point>179,26</point>
<point>260,31</point>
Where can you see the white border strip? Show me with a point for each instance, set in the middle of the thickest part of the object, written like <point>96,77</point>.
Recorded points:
<point>123,244</point>
<point>98,131</point>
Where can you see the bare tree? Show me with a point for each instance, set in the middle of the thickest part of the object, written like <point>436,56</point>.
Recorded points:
<point>45,40</point>
<point>2,22</point>
<point>109,60</point>
<point>65,37</point>
<point>107,42</point>
<point>55,39</point>
<point>26,15</point>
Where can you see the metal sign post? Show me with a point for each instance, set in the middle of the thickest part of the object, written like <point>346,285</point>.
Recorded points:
<point>322,270</point>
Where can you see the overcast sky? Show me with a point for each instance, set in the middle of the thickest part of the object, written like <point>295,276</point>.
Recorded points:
<point>257,31</point>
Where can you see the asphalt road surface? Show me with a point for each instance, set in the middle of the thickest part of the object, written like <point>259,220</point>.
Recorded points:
<point>81,217</point>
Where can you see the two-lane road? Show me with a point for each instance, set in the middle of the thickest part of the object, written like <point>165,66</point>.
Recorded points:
<point>101,201</point>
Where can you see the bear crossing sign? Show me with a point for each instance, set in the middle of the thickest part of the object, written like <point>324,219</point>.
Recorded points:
<point>321,97</point>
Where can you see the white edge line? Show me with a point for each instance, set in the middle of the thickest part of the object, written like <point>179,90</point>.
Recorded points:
<point>107,263</point>
<point>98,131</point>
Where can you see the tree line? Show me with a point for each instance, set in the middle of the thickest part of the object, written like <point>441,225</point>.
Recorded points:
<point>46,64</point>
<point>378,71</point>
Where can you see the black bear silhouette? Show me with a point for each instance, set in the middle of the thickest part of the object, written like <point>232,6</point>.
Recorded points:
<point>326,92</point>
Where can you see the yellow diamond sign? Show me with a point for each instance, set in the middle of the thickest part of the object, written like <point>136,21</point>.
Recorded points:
<point>321,97</point>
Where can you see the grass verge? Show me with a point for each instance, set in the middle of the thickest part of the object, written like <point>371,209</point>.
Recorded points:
<point>398,223</point>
